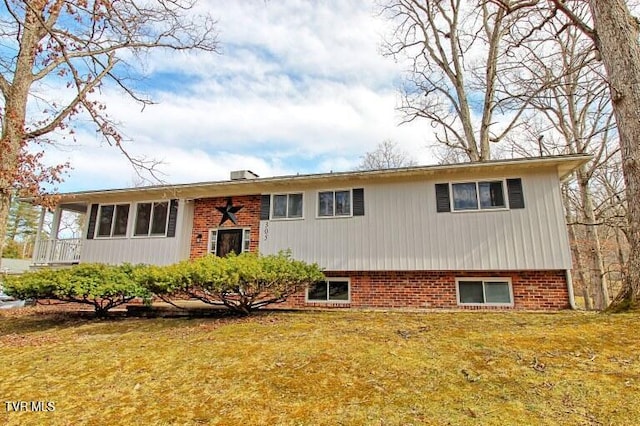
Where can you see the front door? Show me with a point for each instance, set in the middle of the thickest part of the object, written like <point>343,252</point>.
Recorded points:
<point>229,240</point>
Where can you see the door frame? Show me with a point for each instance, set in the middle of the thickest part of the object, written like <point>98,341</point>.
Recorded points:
<point>213,249</point>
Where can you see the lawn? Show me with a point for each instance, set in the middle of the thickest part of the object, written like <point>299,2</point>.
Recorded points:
<point>318,367</point>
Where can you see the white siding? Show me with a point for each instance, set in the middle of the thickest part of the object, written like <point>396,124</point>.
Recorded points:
<point>157,250</point>
<point>149,250</point>
<point>184,228</point>
<point>401,230</point>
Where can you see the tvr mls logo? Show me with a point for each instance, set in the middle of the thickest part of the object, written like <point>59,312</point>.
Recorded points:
<point>30,406</point>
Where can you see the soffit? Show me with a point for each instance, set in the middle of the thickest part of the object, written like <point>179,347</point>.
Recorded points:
<point>561,165</point>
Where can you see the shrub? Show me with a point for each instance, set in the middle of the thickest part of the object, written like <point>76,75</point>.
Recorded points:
<point>102,286</point>
<point>242,283</point>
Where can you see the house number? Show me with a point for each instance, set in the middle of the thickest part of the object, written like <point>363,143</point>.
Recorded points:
<point>266,231</point>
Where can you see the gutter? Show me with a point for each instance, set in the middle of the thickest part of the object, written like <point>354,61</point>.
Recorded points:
<point>572,298</point>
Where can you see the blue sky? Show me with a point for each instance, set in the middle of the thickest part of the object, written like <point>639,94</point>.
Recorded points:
<point>300,87</point>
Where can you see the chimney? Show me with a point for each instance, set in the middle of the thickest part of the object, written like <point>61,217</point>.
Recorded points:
<point>243,175</point>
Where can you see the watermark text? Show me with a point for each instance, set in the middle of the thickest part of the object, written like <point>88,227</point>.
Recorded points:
<point>30,406</point>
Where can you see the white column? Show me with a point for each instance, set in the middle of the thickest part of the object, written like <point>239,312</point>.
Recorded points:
<point>38,243</point>
<point>55,225</point>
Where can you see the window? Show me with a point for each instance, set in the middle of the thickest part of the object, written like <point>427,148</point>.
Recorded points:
<point>287,206</point>
<point>332,290</point>
<point>151,219</point>
<point>113,220</point>
<point>484,291</point>
<point>334,203</point>
<point>470,195</point>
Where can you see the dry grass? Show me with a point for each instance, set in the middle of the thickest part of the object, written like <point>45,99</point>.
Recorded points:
<point>316,368</point>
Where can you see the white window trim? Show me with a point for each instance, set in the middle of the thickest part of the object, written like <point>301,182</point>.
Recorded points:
<point>505,195</point>
<point>334,216</point>
<point>272,204</point>
<point>212,243</point>
<point>329,279</point>
<point>135,219</point>
<point>113,222</point>
<point>485,279</point>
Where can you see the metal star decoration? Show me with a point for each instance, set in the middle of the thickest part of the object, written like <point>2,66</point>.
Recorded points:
<point>229,212</point>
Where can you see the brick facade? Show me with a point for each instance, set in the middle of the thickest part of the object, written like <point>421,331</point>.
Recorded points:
<point>207,217</point>
<point>532,290</point>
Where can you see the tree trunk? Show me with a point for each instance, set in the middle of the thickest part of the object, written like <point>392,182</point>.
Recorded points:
<point>577,256</point>
<point>596,263</point>
<point>5,203</point>
<point>578,266</point>
<point>617,41</point>
<point>15,109</point>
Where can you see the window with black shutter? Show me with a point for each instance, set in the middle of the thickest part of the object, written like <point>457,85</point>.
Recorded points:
<point>443,203</point>
<point>358,202</point>
<point>516,196</point>
<point>93,217</point>
<point>265,207</point>
<point>479,195</point>
<point>173,218</point>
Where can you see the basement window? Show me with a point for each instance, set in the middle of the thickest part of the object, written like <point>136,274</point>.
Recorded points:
<point>484,291</point>
<point>332,290</point>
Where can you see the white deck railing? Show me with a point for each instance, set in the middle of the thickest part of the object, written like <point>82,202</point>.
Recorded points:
<point>57,251</point>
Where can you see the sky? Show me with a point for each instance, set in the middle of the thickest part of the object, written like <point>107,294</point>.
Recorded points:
<point>299,87</point>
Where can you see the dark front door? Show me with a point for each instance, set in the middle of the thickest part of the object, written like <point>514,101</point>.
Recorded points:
<point>229,240</point>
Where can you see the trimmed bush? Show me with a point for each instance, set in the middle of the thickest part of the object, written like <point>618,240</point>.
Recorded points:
<point>242,283</point>
<point>102,286</point>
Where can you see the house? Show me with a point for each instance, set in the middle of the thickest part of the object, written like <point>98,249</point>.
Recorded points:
<point>475,235</point>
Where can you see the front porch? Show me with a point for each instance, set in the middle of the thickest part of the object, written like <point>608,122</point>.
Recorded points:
<point>57,251</point>
<point>59,238</point>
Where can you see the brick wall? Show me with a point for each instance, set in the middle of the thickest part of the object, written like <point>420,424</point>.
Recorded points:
<point>538,290</point>
<point>535,290</point>
<point>207,217</point>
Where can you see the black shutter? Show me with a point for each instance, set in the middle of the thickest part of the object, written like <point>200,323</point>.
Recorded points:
<point>173,218</point>
<point>442,198</point>
<point>93,216</point>
<point>358,202</point>
<point>265,207</point>
<point>516,196</point>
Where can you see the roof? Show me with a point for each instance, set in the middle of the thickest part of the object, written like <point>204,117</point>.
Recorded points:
<point>564,165</point>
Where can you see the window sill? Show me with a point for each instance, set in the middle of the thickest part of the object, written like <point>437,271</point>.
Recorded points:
<point>486,305</point>
<point>119,237</point>
<point>497,209</point>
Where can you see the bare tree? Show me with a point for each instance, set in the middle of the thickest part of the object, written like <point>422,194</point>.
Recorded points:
<point>76,47</point>
<point>615,35</point>
<point>614,32</point>
<point>573,113</point>
<point>457,50</point>
<point>387,155</point>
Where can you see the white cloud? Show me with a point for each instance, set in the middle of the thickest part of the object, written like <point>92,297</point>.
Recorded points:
<point>300,87</point>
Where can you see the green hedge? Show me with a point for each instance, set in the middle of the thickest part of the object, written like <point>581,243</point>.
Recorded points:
<point>242,283</point>
<point>102,286</point>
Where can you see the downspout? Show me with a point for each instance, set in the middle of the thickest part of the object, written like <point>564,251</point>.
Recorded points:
<point>572,298</point>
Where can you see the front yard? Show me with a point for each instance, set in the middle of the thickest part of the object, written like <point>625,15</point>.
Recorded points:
<point>384,368</point>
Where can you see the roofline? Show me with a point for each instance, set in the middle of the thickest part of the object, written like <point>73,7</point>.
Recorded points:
<point>564,164</point>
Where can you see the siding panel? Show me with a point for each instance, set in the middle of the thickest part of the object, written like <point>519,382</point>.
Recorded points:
<point>402,231</point>
<point>149,250</point>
